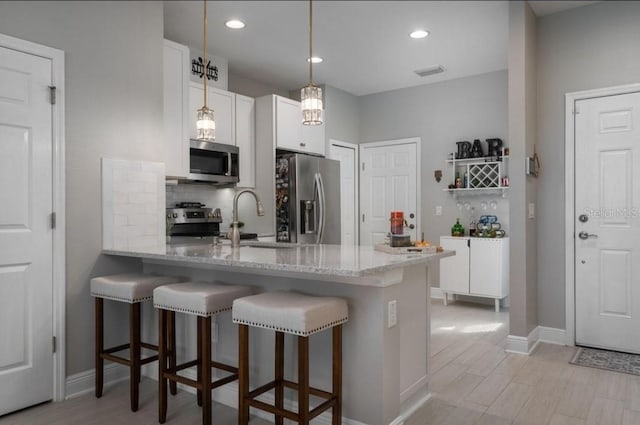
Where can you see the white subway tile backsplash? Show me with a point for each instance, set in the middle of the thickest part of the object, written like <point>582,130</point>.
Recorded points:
<point>133,203</point>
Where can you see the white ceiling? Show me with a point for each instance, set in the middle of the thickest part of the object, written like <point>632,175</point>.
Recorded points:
<point>365,44</point>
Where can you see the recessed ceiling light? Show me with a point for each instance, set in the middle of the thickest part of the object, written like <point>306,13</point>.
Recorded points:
<point>419,34</point>
<point>234,24</point>
<point>315,59</point>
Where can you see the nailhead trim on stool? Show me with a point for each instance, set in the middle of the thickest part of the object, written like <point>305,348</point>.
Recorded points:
<point>298,314</point>
<point>203,300</point>
<point>290,312</point>
<point>130,288</point>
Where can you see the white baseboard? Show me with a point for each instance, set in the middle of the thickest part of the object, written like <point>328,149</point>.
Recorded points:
<point>525,345</point>
<point>436,293</point>
<point>85,382</point>
<point>552,335</point>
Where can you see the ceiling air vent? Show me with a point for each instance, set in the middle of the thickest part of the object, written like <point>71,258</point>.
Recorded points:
<point>429,71</point>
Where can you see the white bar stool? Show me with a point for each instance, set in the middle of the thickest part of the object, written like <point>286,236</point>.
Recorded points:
<point>131,288</point>
<point>202,300</point>
<point>301,315</point>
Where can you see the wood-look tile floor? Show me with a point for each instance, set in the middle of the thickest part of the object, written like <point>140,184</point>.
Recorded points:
<point>472,381</point>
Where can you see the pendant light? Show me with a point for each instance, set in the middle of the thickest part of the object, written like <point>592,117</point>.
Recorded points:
<point>205,125</point>
<point>311,95</point>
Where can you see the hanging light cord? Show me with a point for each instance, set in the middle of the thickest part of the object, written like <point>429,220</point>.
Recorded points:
<point>310,41</point>
<point>204,53</point>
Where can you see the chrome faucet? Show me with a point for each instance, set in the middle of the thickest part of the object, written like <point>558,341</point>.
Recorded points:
<point>235,231</point>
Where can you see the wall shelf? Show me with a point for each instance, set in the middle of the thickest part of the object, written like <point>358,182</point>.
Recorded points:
<point>480,176</point>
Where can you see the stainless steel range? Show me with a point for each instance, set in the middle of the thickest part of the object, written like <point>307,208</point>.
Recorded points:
<point>193,219</point>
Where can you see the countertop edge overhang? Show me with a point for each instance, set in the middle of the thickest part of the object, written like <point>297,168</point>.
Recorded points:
<point>323,262</point>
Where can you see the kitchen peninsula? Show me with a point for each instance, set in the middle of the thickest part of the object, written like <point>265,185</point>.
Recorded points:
<point>385,342</point>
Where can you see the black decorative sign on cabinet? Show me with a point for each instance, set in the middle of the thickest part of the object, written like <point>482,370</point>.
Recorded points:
<point>198,68</point>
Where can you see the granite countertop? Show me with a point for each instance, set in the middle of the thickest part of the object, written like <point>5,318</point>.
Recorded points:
<point>321,260</point>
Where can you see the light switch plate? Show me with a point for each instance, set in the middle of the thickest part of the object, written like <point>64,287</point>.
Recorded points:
<point>392,314</point>
<point>438,209</point>
<point>532,210</point>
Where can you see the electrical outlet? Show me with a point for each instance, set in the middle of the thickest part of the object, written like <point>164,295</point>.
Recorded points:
<point>392,314</point>
<point>438,209</point>
<point>532,210</point>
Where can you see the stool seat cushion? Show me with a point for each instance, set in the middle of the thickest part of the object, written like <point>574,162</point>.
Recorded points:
<point>199,298</point>
<point>128,287</point>
<point>290,312</point>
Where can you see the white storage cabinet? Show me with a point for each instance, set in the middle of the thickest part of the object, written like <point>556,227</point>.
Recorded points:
<point>290,134</point>
<point>223,104</point>
<point>176,69</point>
<point>479,268</point>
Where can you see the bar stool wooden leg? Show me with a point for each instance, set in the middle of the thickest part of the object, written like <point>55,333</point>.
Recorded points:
<point>134,353</point>
<point>279,375</point>
<point>205,382</point>
<point>171,339</point>
<point>199,358</point>
<point>162,365</point>
<point>99,345</point>
<point>337,375</point>
<point>243,374</point>
<point>303,380</point>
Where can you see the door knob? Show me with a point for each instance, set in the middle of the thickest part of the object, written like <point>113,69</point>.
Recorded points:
<point>585,235</point>
<point>412,226</point>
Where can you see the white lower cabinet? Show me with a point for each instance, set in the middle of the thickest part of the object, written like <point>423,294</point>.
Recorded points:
<point>479,268</point>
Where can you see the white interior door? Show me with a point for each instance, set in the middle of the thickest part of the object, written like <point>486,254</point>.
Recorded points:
<point>346,153</point>
<point>389,181</point>
<point>607,225</point>
<point>26,237</point>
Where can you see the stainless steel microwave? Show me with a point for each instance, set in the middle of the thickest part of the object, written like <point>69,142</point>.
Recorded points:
<point>212,162</point>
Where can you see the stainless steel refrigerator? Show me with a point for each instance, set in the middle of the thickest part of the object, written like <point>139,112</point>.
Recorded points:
<point>307,199</point>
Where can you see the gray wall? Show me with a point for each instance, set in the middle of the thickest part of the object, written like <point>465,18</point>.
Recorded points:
<point>342,115</point>
<point>585,48</point>
<point>113,109</point>
<point>252,88</point>
<point>441,114</point>
<point>522,122</point>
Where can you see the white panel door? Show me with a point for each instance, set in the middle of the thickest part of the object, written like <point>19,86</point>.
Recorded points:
<point>454,271</point>
<point>607,224</point>
<point>348,190</point>
<point>388,183</point>
<point>26,239</point>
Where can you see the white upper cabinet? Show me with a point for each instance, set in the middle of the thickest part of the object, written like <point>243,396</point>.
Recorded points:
<point>176,69</point>
<point>246,139</point>
<point>291,134</point>
<point>224,109</point>
<point>313,138</point>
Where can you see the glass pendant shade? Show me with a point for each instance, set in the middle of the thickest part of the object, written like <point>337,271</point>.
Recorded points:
<point>205,124</point>
<point>311,102</point>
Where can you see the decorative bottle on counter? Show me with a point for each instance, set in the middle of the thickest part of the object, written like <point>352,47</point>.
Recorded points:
<point>457,229</point>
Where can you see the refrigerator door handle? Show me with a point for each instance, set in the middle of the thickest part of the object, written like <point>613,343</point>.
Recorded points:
<point>319,185</point>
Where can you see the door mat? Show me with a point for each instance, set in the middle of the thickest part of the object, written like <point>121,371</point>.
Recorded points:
<point>609,360</point>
